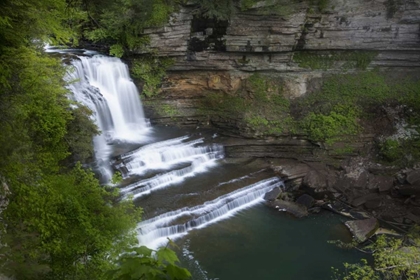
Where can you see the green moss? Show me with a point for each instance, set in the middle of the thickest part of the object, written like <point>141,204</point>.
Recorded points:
<point>325,61</point>
<point>168,110</point>
<point>260,105</point>
<point>401,152</point>
<point>346,150</point>
<point>247,4</point>
<point>151,70</point>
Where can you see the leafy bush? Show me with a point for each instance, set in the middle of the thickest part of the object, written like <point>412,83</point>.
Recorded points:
<point>141,264</point>
<point>393,258</point>
<point>151,71</point>
<point>331,127</point>
<point>121,22</point>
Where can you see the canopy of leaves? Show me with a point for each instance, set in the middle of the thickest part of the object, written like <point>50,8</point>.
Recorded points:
<point>120,23</point>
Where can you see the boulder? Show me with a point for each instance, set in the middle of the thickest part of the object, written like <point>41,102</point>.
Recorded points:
<point>273,194</point>
<point>380,182</point>
<point>409,190</point>
<point>363,229</point>
<point>315,180</point>
<point>373,204</point>
<point>364,198</point>
<point>413,176</point>
<point>306,200</point>
<point>290,207</point>
<point>385,183</point>
<point>361,181</point>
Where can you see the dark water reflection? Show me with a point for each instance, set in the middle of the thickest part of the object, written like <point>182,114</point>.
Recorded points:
<point>260,243</point>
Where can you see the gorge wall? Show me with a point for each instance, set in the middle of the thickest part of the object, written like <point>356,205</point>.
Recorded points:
<point>219,56</point>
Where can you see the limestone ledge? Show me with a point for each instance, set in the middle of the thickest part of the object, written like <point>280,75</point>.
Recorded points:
<point>268,42</point>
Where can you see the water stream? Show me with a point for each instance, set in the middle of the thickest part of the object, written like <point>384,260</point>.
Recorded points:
<point>210,205</point>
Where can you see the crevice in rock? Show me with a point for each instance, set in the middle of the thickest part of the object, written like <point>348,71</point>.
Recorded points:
<point>207,33</point>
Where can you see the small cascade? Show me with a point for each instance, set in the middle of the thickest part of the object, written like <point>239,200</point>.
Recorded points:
<point>154,232</point>
<point>166,155</point>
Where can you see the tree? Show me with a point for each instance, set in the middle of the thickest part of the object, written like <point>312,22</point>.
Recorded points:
<point>60,223</point>
<point>393,258</point>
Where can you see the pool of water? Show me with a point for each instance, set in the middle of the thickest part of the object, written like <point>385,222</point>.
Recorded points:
<point>261,243</point>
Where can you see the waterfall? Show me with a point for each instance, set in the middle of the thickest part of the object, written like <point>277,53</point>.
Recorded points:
<point>166,155</point>
<point>154,232</point>
<point>104,85</point>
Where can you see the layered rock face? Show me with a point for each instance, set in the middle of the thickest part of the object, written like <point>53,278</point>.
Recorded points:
<point>268,42</point>
<point>218,56</point>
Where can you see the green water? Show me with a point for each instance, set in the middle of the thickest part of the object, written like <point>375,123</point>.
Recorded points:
<point>261,243</point>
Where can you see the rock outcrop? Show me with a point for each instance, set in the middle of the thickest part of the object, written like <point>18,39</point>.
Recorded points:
<point>218,56</point>
<point>363,229</point>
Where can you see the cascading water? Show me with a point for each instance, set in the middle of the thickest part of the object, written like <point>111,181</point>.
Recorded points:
<point>154,232</point>
<point>104,85</point>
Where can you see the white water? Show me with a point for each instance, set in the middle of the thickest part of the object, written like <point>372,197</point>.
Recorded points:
<point>154,232</point>
<point>167,155</point>
<point>104,85</point>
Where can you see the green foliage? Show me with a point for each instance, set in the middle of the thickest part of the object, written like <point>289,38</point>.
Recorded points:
<point>217,9</point>
<point>116,50</point>
<point>144,263</point>
<point>261,104</point>
<point>73,228</point>
<point>341,121</point>
<point>59,223</point>
<point>344,60</point>
<point>393,258</point>
<point>79,135</point>
<point>121,22</point>
<point>402,152</point>
<point>151,70</point>
<point>27,22</point>
<point>390,150</point>
<point>247,4</point>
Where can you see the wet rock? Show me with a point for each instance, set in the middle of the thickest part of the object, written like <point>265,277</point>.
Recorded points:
<point>362,229</point>
<point>413,177</point>
<point>344,210</point>
<point>385,183</point>
<point>373,204</point>
<point>361,181</point>
<point>411,216</point>
<point>380,182</point>
<point>306,200</point>
<point>363,199</point>
<point>273,194</point>
<point>290,207</point>
<point>315,210</point>
<point>315,180</point>
<point>409,190</point>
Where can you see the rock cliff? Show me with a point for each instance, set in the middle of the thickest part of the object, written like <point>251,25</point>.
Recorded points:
<point>218,56</point>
